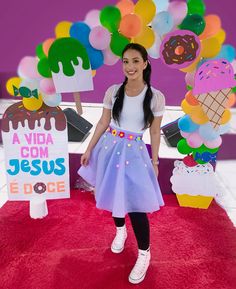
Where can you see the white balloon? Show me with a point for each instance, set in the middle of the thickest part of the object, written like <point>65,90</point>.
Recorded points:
<point>52,99</point>
<point>92,18</point>
<point>30,83</point>
<point>154,51</point>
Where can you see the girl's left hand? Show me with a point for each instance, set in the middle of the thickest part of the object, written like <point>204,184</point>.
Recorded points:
<point>156,169</point>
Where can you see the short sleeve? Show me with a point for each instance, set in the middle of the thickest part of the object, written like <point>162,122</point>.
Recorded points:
<point>158,103</point>
<point>107,100</point>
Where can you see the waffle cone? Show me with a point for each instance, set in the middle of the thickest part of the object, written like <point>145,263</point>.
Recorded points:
<point>213,104</point>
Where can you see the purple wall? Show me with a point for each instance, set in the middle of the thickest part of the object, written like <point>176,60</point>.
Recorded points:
<point>24,24</point>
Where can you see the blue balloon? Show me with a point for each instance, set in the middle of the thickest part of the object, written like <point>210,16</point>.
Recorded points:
<point>186,124</point>
<point>207,132</point>
<point>162,23</point>
<point>227,52</point>
<point>224,128</point>
<point>95,56</point>
<point>80,31</point>
<point>161,5</point>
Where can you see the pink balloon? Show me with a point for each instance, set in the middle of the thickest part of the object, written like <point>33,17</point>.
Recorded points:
<point>214,143</point>
<point>99,37</point>
<point>27,68</point>
<point>46,86</point>
<point>184,134</point>
<point>189,78</point>
<point>233,63</point>
<point>109,57</point>
<point>178,10</point>
<point>194,140</point>
<point>92,18</point>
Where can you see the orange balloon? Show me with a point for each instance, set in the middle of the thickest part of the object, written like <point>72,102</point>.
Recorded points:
<point>130,25</point>
<point>225,117</point>
<point>125,7</point>
<point>190,98</point>
<point>47,44</point>
<point>231,100</point>
<point>198,115</point>
<point>213,25</point>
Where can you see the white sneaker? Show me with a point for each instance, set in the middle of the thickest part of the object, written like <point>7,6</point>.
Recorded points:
<point>140,268</point>
<point>118,243</point>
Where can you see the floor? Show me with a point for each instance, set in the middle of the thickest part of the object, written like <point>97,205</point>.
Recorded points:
<point>225,170</point>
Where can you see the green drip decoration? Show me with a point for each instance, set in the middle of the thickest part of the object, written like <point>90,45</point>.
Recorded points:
<point>67,50</point>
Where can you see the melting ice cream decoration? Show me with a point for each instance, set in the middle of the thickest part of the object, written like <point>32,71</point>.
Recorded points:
<point>70,66</point>
<point>212,88</point>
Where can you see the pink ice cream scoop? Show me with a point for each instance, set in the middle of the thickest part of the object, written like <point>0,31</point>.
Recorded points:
<point>214,75</point>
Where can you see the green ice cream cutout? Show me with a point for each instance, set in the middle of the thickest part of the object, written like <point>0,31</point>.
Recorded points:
<point>66,50</point>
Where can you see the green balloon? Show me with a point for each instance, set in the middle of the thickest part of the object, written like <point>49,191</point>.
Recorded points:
<point>194,23</point>
<point>203,149</point>
<point>183,147</point>
<point>234,89</point>
<point>39,51</point>
<point>118,43</point>
<point>44,68</point>
<point>110,17</point>
<point>196,7</point>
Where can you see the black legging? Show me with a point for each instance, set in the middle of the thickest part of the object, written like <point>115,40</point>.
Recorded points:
<point>140,226</point>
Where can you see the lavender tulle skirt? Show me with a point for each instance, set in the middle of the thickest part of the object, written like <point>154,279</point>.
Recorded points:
<point>121,171</point>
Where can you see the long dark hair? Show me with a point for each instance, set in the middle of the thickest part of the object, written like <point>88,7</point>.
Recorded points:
<point>118,105</point>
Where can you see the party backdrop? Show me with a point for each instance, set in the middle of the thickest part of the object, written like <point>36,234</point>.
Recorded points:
<point>24,25</point>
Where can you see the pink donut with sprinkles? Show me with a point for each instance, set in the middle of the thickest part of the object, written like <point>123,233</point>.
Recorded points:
<point>179,49</point>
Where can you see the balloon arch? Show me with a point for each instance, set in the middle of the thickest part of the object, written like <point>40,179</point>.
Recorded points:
<point>178,32</point>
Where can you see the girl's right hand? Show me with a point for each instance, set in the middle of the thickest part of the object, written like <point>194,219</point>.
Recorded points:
<point>85,158</point>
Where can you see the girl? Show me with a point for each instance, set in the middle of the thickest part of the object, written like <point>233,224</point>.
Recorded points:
<point>117,162</point>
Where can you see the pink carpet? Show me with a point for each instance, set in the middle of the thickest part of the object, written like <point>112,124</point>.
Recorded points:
<point>70,248</point>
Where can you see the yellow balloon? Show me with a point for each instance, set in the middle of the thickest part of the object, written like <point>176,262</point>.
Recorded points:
<point>225,117</point>
<point>186,107</point>
<point>146,38</point>
<point>193,66</point>
<point>33,103</point>
<point>63,29</point>
<point>13,81</point>
<point>146,9</point>
<point>198,116</point>
<point>220,36</point>
<point>210,47</point>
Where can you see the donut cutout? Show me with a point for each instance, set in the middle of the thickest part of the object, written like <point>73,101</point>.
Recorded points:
<point>40,188</point>
<point>179,49</point>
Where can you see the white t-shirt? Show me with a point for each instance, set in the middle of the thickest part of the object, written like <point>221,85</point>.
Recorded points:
<point>132,115</point>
